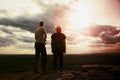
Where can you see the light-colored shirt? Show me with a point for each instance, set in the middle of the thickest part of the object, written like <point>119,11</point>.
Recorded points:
<point>40,34</point>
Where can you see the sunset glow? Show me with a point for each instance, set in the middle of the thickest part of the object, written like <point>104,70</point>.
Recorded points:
<point>80,17</point>
<point>90,26</point>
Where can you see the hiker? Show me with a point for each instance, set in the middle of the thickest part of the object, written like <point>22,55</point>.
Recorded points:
<point>58,45</point>
<point>40,41</point>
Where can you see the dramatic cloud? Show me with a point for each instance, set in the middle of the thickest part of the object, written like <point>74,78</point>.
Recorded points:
<point>52,17</point>
<point>6,41</point>
<point>53,14</point>
<point>23,23</point>
<point>18,22</point>
<point>16,40</point>
<point>12,36</point>
<point>109,34</point>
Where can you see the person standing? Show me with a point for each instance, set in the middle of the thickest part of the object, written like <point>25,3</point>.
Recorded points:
<point>58,45</point>
<point>40,39</point>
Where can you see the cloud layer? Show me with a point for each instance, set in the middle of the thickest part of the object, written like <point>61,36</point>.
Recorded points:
<point>108,34</point>
<point>18,22</point>
<point>54,12</point>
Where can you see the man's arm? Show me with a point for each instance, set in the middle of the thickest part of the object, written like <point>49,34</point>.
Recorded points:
<point>44,33</point>
<point>64,43</point>
<point>52,43</point>
<point>45,36</point>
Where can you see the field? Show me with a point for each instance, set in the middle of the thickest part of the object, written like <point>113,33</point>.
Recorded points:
<point>76,67</point>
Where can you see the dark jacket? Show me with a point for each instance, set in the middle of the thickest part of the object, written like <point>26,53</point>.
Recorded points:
<point>58,42</point>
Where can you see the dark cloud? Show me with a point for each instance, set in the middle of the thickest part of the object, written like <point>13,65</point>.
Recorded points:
<point>11,38</point>
<point>26,39</point>
<point>24,23</point>
<point>6,41</point>
<point>52,15</point>
<point>118,1</point>
<point>109,34</point>
<point>6,30</point>
<point>96,30</point>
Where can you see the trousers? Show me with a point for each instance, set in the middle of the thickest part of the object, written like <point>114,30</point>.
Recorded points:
<point>40,49</point>
<point>57,58</point>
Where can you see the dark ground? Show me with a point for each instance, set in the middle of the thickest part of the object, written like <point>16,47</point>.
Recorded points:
<point>76,67</point>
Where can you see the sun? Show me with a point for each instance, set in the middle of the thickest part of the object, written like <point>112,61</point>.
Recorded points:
<point>79,20</point>
<point>80,17</point>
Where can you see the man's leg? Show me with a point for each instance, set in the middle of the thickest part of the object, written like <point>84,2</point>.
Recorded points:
<point>43,59</point>
<point>37,54</point>
<point>61,60</point>
<point>55,60</point>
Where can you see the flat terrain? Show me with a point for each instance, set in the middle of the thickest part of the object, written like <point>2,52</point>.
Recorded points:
<point>76,67</point>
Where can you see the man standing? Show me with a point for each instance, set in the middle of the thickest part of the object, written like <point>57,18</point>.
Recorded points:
<point>40,38</point>
<point>58,45</point>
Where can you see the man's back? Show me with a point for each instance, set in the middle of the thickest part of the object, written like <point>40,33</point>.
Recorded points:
<point>40,37</point>
<point>58,42</point>
<point>39,32</point>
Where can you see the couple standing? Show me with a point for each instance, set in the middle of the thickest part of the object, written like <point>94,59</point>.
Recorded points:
<point>58,45</point>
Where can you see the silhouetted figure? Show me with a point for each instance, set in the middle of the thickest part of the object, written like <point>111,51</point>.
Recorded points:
<point>58,45</point>
<point>40,37</point>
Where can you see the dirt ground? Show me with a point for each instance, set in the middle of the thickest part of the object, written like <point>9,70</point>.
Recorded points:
<point>84,72</point>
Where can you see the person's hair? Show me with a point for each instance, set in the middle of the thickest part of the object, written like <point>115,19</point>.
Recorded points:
<point>41,23</point>
<point>58,28</point>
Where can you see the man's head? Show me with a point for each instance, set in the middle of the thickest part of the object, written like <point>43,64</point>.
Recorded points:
<point>41,23</point>
<point>58,28</point>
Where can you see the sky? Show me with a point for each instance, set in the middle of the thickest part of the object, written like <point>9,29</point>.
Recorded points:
<point>91,26</point>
